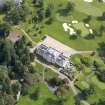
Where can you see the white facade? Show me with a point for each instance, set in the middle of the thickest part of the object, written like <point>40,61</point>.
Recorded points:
<point>53,56</point>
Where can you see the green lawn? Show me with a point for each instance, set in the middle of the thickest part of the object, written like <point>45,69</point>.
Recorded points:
<point>45,94</point>
<point>89,8</point>
<point>56,30</point>
<point>84,30</point>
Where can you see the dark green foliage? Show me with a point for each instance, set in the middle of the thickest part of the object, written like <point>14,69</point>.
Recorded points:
<point>56,82</point>
<point>101,102</point>
<point>36,94</point>
<point>4,30</point>
<point>87,19</point>
<point>6,99</point>
<point>6,6</point>
<point>86,92</point>
<point>17,14</point>
<point>67,10</point>
<point>101,75</point>
<point>49,10</point>
<point>86,60</point>
<point>101,49</point>
<point>16,87</point>
<point>38,3</point>
<point>25,88</point>
<point>15,59</point>
<point>102,18</point>
<point>40,15</point>
<point>50,101</point>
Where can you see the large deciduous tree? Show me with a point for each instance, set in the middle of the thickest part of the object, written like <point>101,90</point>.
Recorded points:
<point>4,30</point>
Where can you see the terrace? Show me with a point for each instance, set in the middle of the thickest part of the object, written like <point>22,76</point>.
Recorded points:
<point>65,50</point>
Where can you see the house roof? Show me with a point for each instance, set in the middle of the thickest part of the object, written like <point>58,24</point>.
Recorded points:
<point>53,53</point>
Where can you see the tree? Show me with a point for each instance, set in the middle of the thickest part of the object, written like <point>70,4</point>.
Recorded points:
<point>25,88</point>
<point>86,60</point>
<point>101,49</point>
<point>40,15</point>
<point>69,6</point>
<point>25,57</point>
<point>49,10</point>
<point>17,14</point>
<point>101,75</point>
<point>86,92</point>
<point>4,80</point>
<point>4,30</point>
<point>102,29</point>
<point>6,6</point>
<point>68,9</point>
<point>38,3</point>
<point>56,81</point>
<point>101,102</point>
<point>101,18</point>
<point>78,32</point>
<point>87,19</point>
<point>7,51</point>
<point>16,87</point>
<point>6,99</point>
<point>103,15</point>
<point>28,78</point>
<point>19,68</point>
<point>49,21</point>
<point>62,91</point>
<point>51,101</point>
<point>36,94</point>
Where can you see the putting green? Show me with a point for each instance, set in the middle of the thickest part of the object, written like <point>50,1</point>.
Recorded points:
<point>83,29</point>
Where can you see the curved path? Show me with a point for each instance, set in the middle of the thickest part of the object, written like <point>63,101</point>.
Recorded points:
<point>70,84</point>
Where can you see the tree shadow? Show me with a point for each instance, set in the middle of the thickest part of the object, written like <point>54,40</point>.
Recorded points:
<point>63,12</point>
<point>35,95</point>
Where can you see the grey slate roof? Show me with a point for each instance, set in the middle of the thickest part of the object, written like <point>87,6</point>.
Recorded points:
<point>52,55</point>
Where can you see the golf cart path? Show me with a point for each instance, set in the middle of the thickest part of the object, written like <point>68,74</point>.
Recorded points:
<point>70,83</point>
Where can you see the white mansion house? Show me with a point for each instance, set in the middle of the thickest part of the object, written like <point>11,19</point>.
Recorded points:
<point>53,56</point>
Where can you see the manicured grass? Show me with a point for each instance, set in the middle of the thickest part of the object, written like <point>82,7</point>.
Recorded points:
<point>56,30</point>
<point>88,8</point>
<point>84,30</point>
<point>44,94</point>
